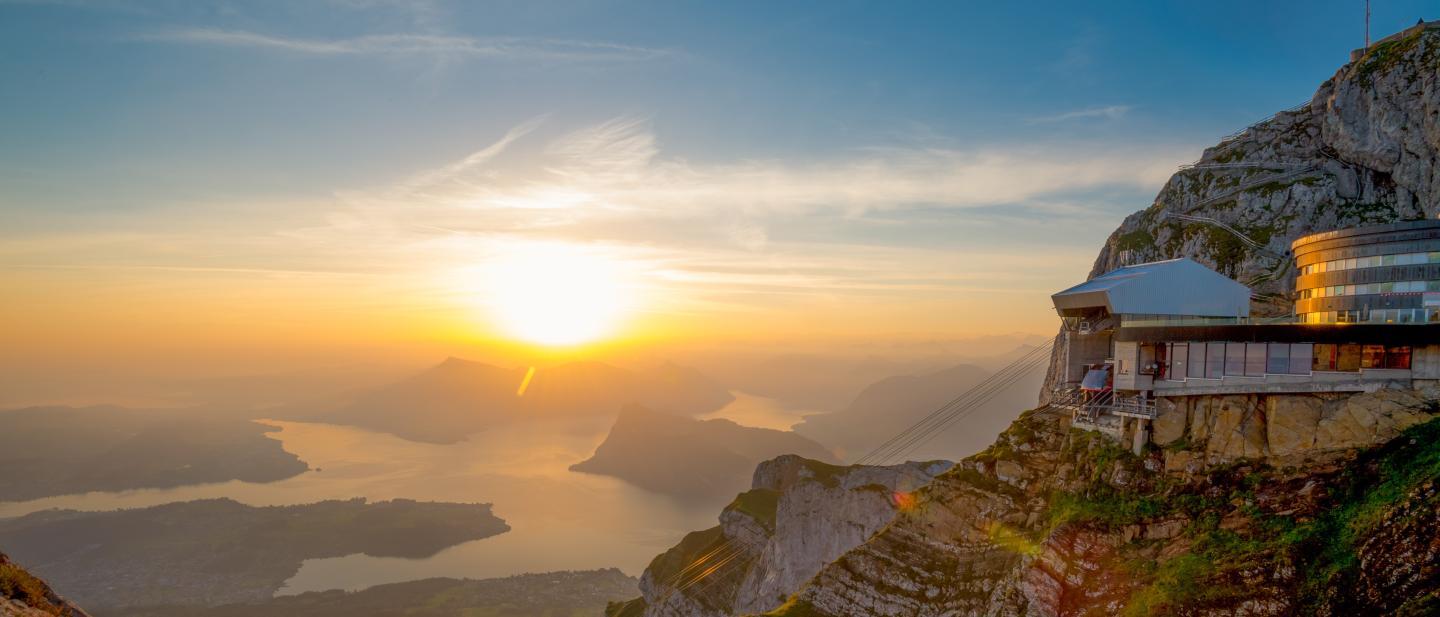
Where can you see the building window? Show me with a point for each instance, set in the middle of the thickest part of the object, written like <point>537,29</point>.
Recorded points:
<point>1255,359</point>
<point>1197,361</point>
<point>1397,357</point>
<point>1324,359</point>
<point>1214,360</point>
<point>1279,362</point>
<point>1347,358</point>
<point>1300,354</point>
<point>1372,356</point>
<point>1179,353</point>
<point>1235,359</point>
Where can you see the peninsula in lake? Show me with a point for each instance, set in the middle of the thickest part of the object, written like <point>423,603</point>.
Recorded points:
<point>690,458</point>
<point>219,551</point>
<point>552,594</point>
<point>47,451</point>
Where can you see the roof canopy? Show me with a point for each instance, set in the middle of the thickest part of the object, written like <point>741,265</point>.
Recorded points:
<point>1174,287</point>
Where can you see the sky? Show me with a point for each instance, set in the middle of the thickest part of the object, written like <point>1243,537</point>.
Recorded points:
<point>231,186</point>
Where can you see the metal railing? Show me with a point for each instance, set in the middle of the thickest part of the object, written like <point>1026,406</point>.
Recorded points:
<point>1089,406</point>
<point>1244,239</point>
<point>1237,134</point>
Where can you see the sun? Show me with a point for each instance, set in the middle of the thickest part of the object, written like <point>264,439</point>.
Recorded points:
<point>556,294</point>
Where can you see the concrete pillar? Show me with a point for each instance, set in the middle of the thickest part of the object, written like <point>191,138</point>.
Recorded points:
<point>1142,435</point>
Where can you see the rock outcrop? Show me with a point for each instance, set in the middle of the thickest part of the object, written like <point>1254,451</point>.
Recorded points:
<point>24,595</point>
<point>1052,521</point>
<point>688,458</point>
<point>1259,426</point>
<point>799,515</point>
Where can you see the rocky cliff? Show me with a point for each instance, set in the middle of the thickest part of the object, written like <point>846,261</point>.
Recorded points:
<point>799,515</point>
<point>24,595</point>
<point>1053,521</point>
<point>1324,504</point>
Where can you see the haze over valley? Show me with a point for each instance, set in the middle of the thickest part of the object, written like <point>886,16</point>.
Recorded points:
<point>443,308</point>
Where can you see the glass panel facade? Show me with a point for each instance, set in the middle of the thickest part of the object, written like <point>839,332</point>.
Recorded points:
<point>1179,353</point>
<point>1197,361</point>
<point>1279,359</point>
<point>1214,360</point>
<point>1399,259</point>
<point>1347,358</point>
<point>1372,356</point>
<point>1325,357</point>
<point>1300,354</point>
<point>1397,357</point>
<point>1235,359</point>
<point>1255,359</point>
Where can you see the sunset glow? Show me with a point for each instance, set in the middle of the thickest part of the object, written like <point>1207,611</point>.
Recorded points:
<point>555,294</point>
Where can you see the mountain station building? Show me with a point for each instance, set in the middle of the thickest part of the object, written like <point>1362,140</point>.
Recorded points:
<point>1366,317</point>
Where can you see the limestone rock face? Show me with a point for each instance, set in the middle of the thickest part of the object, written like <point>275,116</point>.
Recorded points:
<point>1261,426</point>
<point>798,516</point>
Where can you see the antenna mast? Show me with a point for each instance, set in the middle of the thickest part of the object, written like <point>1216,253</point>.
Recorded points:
<point>1367,25</point>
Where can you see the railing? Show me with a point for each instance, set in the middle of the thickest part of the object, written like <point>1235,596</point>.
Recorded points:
<point>1279,166</point>
<point>1246,240</point>
<point>1236,135</point>
<point>1089,406</point>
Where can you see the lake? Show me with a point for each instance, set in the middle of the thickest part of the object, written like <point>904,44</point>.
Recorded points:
<point>560,520</point>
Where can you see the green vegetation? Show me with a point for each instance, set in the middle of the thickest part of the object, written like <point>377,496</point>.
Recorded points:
<point>1098,503</point>
<point>761,504</point>
<point>825,473</point>
<point>795,607</point>
<point>1384,56</point>
<point>1365,492</point>
<point>693,546</point>
<point>1135,240</point>
<point>632,608</point>
<point>1366,213</point>
<point>1323,551</point>
<point>17,584</point>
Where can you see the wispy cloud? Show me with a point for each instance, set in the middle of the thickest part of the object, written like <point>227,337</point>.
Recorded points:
<point>498,48</point>
<point>1108,112</point>
<point>612,183</point>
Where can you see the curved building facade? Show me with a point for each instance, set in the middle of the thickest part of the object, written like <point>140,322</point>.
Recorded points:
<point>1378,274</point>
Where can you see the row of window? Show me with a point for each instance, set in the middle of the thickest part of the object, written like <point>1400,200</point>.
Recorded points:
<point>1410,315</point>
<point>1129,320</point>
<point>1370,288</point>
<point>1216,360</point>
<point>1398,259</point>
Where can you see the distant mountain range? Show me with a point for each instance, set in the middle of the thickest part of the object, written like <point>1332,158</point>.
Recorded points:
<point>448,402</point>
<point>690,458</point>
<point>889,406</point>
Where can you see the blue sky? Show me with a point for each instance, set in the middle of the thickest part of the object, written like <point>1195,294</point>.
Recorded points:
<point>115,92</point>
<point>745,156</point>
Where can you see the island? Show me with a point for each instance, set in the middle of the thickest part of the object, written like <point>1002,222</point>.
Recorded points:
<point>219,551</point>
